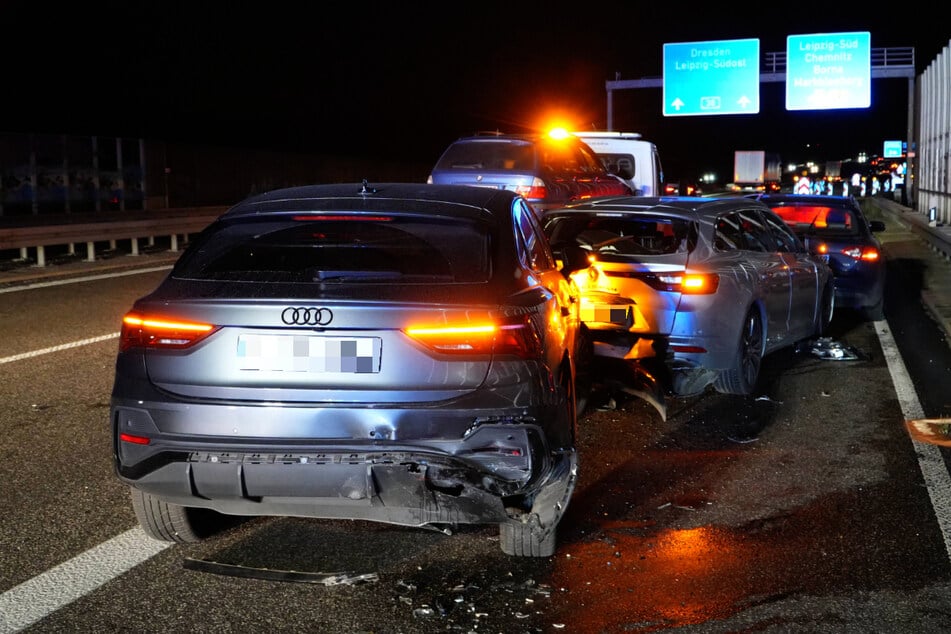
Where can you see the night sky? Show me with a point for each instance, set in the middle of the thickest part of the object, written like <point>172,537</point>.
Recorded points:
<point>403,79</point>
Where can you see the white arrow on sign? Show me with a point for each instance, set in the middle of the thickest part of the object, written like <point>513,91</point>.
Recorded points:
<point>744,101</point>
<point>677,104</point>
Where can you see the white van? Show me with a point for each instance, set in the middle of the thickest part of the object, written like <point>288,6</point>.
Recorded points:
<point>629,156</point>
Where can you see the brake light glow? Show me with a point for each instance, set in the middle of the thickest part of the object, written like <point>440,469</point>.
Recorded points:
<point>688,349</point>
<point>135,440</point>
<point>346,218</point>
<point>155,332</point>
<point>537,189</point>
<point>864,254</point>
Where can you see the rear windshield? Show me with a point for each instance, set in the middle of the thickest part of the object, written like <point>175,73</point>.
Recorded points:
<point>621,164</point>
<point>612,235</point>
<point>379,249</point>
<point>816,218</point>
<point>489,155</point>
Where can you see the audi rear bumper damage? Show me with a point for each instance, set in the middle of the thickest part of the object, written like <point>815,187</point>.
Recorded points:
<point>493,472</point>
<point>397,488</point>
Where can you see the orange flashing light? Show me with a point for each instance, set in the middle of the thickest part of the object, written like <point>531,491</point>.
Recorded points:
<point>139,330</point>
<point>699,283</point>
<point>162,324</point>
<point>865,254</point>
<point>469,339</point>
<point>515,336</point>
<point>870,255</point>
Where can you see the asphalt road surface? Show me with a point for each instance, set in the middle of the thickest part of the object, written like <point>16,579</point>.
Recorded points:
<point>806,508</point>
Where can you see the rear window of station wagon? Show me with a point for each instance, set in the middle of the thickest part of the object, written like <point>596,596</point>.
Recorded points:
<point>626,235</point>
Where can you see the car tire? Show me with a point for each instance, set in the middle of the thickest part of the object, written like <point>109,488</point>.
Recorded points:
<point>826,310</point>
<point>171,522</point>
<point>573,403</point>
<point>742,377</point>
<point>583,371</point>
<point>526,539</point>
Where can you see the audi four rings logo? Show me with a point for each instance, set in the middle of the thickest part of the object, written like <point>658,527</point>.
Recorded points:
<point>307,316</point>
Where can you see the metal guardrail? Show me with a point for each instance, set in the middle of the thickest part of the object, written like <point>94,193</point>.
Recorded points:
<point>901,57</point>
<point>135,226</point>
<point>936,235</point>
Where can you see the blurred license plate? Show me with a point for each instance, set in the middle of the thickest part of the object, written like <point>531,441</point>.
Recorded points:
<point>623,315</point>
<point>310,353</point>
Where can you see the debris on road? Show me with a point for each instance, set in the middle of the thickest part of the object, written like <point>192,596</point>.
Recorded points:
<point>826,348</point>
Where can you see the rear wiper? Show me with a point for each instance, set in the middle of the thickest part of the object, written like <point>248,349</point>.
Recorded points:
<point>611,241</point>
<point>354,276</point>
<point>618,239</point>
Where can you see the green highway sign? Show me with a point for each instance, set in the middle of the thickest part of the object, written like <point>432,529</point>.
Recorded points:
<point>827,71</point>
<point>710,78</point>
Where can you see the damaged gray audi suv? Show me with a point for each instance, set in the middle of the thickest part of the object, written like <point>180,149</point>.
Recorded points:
<point>398,353</point>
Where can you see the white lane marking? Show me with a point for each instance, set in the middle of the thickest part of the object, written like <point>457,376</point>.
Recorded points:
<point>62,346</point>
<point>87,278</point>
<point>32,600</point>
<point>44,594</point>
<point>929,456</point>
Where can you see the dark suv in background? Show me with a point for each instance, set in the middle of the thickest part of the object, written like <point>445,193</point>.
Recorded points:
<point>548,170</point>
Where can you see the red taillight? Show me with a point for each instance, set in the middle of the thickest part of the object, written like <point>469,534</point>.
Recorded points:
<point>866,254</point>
<point>536,190</point>
<point>689,349</point>
<point>135,440</point>
<point>342,218</point>
<point>517,337</point>
<point>159,332</point>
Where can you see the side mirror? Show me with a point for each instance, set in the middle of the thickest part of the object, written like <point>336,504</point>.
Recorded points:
<point>876,226</point>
